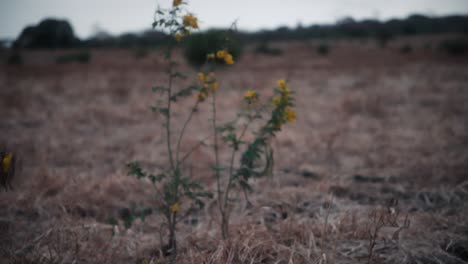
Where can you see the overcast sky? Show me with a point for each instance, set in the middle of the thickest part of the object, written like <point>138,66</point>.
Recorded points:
<point>118,16</point>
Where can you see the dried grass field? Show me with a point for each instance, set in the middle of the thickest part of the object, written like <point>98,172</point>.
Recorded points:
<point>376,163</point>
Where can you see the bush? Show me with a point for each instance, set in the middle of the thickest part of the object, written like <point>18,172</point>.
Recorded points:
<point>15,58</point>
<point>264,48</point>
<point>405,49</point>
<point>455,46</point>
<point>141,53</point>
<point>80,57</point>
<point>200,44</point>
<point>323,49</point>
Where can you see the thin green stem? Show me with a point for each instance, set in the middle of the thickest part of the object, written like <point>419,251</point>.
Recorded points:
<point>215,148</point>
<point>231,166</point>
<point>194,108</point>
<point>168,116</point>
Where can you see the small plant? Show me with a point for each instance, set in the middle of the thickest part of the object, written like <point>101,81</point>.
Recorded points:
<point>455,46</point>
<point>323,49</point>
<point>7,168</point>
<point>265,48</point>
<point>15,58</point>
<point>141,53</point>
<point>80,57</point>
<point>175,191</point>
<point>405,49</point>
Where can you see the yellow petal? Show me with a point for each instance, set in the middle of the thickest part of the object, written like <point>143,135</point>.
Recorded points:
<point>228,59</point>
<point>175,207</point>
<point>6,162</point>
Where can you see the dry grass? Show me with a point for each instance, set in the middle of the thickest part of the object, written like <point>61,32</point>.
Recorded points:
<point>374,127</point>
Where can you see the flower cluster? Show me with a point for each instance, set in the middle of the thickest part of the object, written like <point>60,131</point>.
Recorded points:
<point>251,97</point>
<point>209,85</point>
<point>189,22</point>
<point>283,102</point>
<point>222,55</point>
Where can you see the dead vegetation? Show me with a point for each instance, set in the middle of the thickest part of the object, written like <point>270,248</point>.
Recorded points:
<point>374,170</point>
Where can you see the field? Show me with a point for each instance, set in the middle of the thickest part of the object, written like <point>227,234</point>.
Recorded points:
<point>376,163</point>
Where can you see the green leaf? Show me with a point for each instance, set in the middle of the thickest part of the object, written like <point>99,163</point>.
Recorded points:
<point>217,168</point>
<point>164,111</point>
<point>157,178</point>
<point>136,170</point>
<point>158,88</point>
<point>179,75</point>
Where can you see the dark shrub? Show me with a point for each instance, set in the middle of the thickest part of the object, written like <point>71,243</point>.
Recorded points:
<point>80,57</point>
<point>200,44</point>
<point>49,33</point>
<point>264,48</point>
<point>141,53</point>
<point>323,49</point>
<point>15,58</point>
<point>405,49</point>
<point>455,46</point>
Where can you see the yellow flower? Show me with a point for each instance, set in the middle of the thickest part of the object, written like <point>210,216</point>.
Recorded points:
<point>190,21</point>
<point>176,3</point>
<point>6,162</point>
<point>210,56</point>
<point>282,84</point>
<point>290,115</point>
<point>277,100</point>
<point>178,37</point>
<point>214,87</point>
<point>250,94</point>
<point>228,59</point>
<point>220,54</point>
<point>201,76</point>
<point>202,96</point>
<point>175,207</point>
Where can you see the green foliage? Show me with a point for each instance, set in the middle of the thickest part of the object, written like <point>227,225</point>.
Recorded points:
<point>455,46</point>
<point>265,48</point>
<point>197,46</point>
<point>323,49</point>
<point>79,57</point>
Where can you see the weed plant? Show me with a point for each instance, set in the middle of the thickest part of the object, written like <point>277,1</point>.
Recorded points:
<point>176,191</point>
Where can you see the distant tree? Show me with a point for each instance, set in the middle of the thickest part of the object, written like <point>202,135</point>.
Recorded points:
<point>49,33</point>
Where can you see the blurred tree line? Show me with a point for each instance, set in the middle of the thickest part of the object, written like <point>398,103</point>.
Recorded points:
<point>52,33</point>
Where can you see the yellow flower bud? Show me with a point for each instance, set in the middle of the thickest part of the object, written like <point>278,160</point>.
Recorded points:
<point>210,56</point>
<point>281,84</point>
<point>202,96</point>
<point>175,207</point>
<point>178,37</point>
<point>6,162</point>
<point>214,87</point>
<point>201,76</point>
<point>290,115</point>
<point>277,100</point>
<point>220,54</point>
<point>228,59</point>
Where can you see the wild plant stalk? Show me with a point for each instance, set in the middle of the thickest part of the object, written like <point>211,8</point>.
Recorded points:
<point>171,186</point>
<point>254,151</point>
